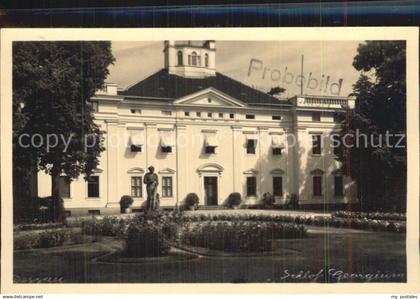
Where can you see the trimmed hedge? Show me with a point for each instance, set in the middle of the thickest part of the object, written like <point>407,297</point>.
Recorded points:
<point>38,226</point>
<point>151,234</point>
<point>48,238</point>
<point>107,226</point>
<point>369,224</point>
<point>146,241</point>
<point>371,215</point>
<point>239,236</point>
<point>234,199</point>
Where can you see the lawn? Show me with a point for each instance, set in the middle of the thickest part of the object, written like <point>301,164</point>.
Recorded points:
<point>338,251</point>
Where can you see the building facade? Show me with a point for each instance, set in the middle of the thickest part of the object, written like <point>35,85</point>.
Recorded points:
<point>208,134</point>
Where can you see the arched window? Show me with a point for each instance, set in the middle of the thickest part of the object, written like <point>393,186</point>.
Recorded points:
<point>193,58</point>
<point>206,60</point>
<point>180,58</point>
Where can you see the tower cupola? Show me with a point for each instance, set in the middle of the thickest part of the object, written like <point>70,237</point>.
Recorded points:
<point>190,59</point>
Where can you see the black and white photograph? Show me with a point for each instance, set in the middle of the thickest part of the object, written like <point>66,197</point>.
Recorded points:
<point>224,161</point>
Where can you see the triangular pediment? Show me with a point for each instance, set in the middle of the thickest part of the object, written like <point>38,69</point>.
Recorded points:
<point>210,97</point>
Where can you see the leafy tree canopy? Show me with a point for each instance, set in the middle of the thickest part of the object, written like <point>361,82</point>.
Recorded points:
<point>52,86</point>
<point>380,92</point>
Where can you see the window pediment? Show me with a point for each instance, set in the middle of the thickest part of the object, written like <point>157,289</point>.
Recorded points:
<point>277,171</point>
<point>210,97</point>
<point>317,171</point>
<point>251,171</point>
<point>166,171</point>
<point>210,168</point>
<point>135,170</point>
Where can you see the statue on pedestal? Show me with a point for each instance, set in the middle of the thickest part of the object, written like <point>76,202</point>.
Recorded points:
<point>151,180</point>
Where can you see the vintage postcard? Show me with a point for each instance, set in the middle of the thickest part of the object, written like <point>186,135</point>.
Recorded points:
<point>210,160</point>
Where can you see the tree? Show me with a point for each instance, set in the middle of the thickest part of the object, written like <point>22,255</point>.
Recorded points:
<point>379,171</point>
<point>52,86</point>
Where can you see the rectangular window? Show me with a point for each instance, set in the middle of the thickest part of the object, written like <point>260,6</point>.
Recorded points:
<point>231,115</point>
<point>250,146</point>
<point>210,149</point>
<point>133,110</point>
<point>209,114</point>
<point>220,115</point>
<point>64,186</point>
<point>276,151</point>
<point>135,148</point>
<point>317,185</point>
<point>166,149</point>
<point>338,185</point>
<point>93,186</point>
<point>136,186</point>
<point>251,186</point>
<point>166,186</point>
<point>316,144</point>
<point>250,116</point>
<point>316,116</point>
<point>166,112</point>
<point>277,186</point>
<point>198,114</point>
<point>276,117</point>
<point>186,113</point>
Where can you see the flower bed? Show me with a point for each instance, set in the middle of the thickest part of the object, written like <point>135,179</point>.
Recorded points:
<point>107,226</point>
<point>38,226</point>
<point>355,223</point>
<point>48,238</point>
<point>150,235</point>
<point>239,236</point>
<point>371,215</point>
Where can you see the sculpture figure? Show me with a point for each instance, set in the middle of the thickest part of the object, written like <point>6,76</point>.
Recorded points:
<point>151,181</point>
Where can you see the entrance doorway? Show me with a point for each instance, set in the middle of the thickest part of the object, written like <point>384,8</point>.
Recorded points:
<point>210,190</point>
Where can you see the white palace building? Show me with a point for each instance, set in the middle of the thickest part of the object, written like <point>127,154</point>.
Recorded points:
<point>211,135</point>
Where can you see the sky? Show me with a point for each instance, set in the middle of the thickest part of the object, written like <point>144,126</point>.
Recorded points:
<point>327,65</point>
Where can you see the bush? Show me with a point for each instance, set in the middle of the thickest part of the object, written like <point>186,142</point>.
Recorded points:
<point>151,234</point>
<point>53,238</point>
<point>47,238</point>
<point>268,200</point>
<point>239,236</point>
<point>234,199</point>
<point>112,226</point>
<point>107,226</point>
<point>294,201</point>
<point>125,202</point>
<point>91,227</point>
<point>48,209</point>
<point>191,200</point>
<point>25,241</point>
<point>37,226</point>
<point>168,223</point>
<point>371,215</point>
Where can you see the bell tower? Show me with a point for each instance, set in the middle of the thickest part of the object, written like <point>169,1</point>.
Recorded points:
<point>190,59</point>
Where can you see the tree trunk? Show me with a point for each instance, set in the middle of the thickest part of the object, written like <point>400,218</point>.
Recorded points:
<point>55,187</point>
<point>57,211</point>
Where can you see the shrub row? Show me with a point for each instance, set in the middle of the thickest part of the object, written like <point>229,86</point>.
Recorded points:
<point>239,236</point>
<point>370,224</point>
<point>107,226</point>
<point>371,215</point>
<point>112,226</point>
<point>37,226</point>
<point>48,238</point>
<point>151,234</point>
